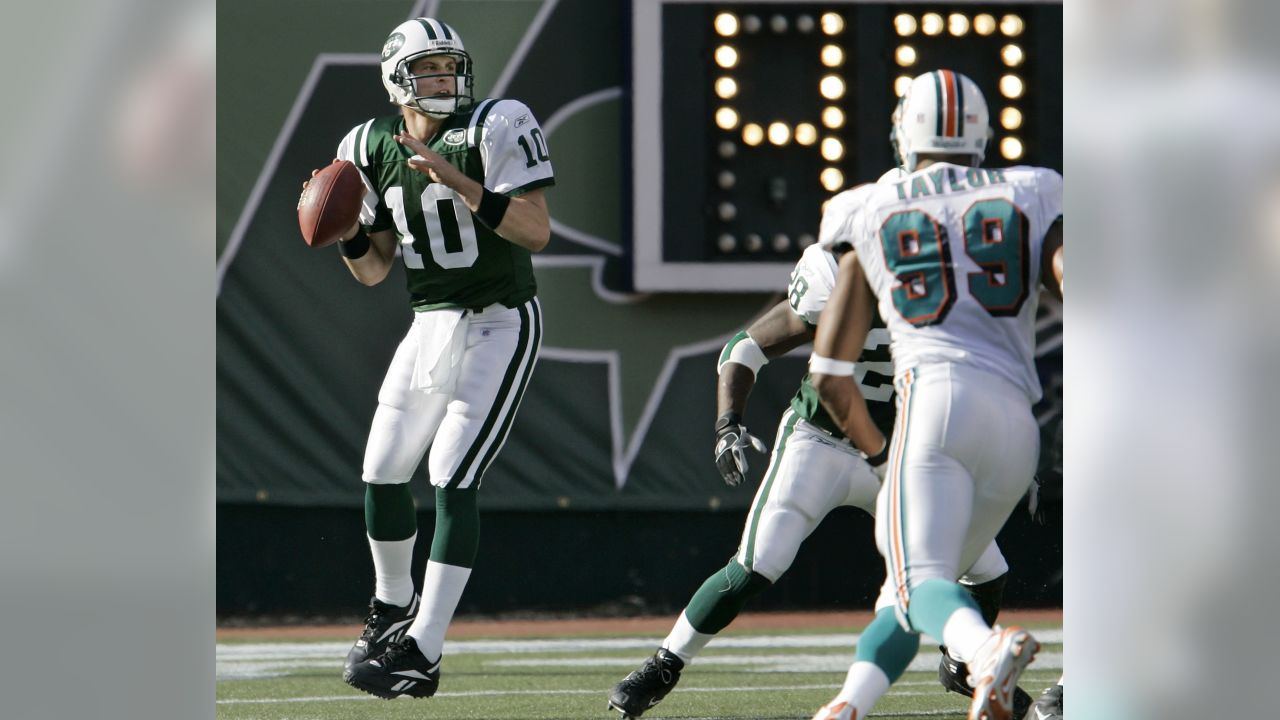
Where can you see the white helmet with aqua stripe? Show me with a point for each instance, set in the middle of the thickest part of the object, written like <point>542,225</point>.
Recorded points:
<point>942,112</point>
<point>418,38</point>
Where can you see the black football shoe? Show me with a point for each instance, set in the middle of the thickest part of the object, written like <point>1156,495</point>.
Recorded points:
<point>1047,707</point>
<point>384,625</point>
<point>954,676</point>
<point>646,687</point>
<point>401,670</point>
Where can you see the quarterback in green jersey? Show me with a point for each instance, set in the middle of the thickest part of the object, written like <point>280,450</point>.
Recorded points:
<point>455,185</point>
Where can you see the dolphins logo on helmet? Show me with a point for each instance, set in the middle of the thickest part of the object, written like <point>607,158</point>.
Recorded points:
<point>941,112</point>
<point>418,38</point>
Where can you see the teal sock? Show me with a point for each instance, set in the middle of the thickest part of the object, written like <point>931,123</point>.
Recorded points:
<point>933,602</point>
<point>722,596</point>
<point>888,645</point>
<point>457,535</point>
<point>388,512</point>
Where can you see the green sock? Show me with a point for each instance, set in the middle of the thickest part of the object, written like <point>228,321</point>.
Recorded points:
<point>888,645</point>
<point>933,602</point>
<point>722,596</point>
<point>388,512</point>
<point>457,535</point>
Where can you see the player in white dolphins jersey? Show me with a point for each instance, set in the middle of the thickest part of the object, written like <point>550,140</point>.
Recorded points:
<point>814,469</point>
<point>953,254</point>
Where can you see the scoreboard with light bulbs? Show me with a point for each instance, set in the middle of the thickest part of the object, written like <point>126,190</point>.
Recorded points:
<point>746,117</point>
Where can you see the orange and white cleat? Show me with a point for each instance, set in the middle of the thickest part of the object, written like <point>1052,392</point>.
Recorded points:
<point>995,670</point>
<point>836,711</point>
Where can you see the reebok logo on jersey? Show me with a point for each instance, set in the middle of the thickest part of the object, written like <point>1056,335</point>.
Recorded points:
<point>522,120</point>
<point>455,136</point>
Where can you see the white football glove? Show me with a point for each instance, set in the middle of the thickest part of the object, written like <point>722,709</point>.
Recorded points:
<point>732,441</point>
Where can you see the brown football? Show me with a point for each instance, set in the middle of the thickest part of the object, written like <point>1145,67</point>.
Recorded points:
<point>331,203</point>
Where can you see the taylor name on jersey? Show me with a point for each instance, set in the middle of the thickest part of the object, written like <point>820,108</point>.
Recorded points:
<point>451,258</point>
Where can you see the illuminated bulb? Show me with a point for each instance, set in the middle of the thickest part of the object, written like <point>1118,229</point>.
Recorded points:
<point>726,243</point>
<point>727,24</point>
<point>833,117</point>
<point>832,179</point>
<point>726,118</point>
<point>751,23</point>
<point>1011,25</point>
<point>781,242</point>
<point>931,24</point>
<point>1011,148</point>
<point>984,24</point>
<point>900,85</point>
<point>727,211</point>
<point>957,24</point>
<point>1012,55</point>
<point>1011,86</point>
<point>832,24</point>
<point>726,179</point>
<point>831,87</point>
<point>778,24</point>
<point>832,149</point>
<point>726,87</point>
<point>806,134</point>
<point>726,56</point>
<point>905,24</point>
<point>905,55</point>
<point>753,243</point>
<point>1011,118</point>
<point>832,55</point>
<point>728,149</point>
<point>805,24</point>
<point>752,134</point>
<point>779,133</point>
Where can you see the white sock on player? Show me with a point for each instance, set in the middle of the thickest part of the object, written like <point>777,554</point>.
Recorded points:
<point>392,566</point>
<point>441,590</point>
<point>964,633</point>
<point>864,685</point>
<point>684,641</point>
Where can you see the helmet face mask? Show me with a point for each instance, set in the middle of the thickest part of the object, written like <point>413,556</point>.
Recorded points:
<point>942,112</point>
<point>414,40</point>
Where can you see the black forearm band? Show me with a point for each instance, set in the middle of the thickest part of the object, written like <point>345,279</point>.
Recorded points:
<point>493,207</point>
<point>878,459</point>
<point>728,419</point>
<point>356,247</point>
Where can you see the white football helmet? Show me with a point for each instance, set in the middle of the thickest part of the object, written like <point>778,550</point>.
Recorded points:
<point>941,112</point>
<point>418,38</point>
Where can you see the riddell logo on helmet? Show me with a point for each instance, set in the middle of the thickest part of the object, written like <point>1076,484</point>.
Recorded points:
<point>950,142</point>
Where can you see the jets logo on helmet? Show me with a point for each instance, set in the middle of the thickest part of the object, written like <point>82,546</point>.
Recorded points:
<point>419,38</point>
<point>941,112</point>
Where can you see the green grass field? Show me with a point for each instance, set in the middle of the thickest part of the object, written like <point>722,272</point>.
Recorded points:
<point>741,675</point>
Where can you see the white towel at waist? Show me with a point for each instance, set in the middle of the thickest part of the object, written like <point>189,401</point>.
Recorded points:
<point>442,339</point>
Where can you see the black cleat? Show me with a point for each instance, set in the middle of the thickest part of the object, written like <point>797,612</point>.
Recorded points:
<point>646,687</point>
<point>385,624</point>
<point>401,670</point>
<point>954,676</point>
<point>1047,707</point>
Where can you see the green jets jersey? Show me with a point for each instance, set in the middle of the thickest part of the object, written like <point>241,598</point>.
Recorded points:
<point>811,284</point>
<point>451,258</point>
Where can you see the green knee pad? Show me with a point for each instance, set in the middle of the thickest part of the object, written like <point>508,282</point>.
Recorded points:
<point>389,514</point>
<point>888,645</point>
<point>988,595</point>
<point>457,533</point>
<point>933,603</point>
<point>723,596</point>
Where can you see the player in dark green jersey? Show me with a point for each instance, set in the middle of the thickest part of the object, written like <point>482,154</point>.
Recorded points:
<point>456,186</point>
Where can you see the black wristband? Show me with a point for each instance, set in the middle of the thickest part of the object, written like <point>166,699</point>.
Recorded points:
<point>729,419</point>
<point>493,207</point>
<point>878,459</point>
<point>356,247</point>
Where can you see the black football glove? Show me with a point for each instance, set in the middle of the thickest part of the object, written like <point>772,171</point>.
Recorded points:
<point>732,441</point>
